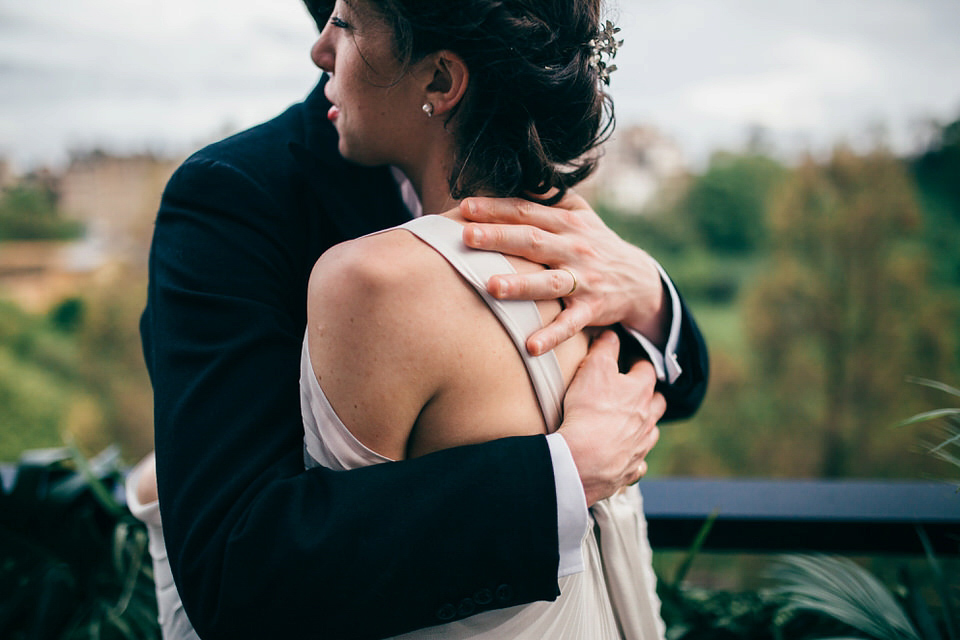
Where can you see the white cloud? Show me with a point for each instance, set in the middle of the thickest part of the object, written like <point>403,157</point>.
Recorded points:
<point>137,71</point>
<point>807,76</point>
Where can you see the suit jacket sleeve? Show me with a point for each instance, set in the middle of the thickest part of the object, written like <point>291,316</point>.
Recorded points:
<point>686,393</point>
<point>260,548</point>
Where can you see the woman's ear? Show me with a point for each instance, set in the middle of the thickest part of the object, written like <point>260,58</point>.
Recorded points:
<point>448,83</point>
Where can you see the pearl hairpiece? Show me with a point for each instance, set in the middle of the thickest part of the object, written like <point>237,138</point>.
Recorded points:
<point>604,47</point>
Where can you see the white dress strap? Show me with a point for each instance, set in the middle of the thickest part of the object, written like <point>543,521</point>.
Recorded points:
<point>519,318</point>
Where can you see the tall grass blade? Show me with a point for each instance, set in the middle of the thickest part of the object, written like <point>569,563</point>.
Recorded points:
<point>694,548</point>
<point>844,591</point>
<point>929,415</point>
<point>934,384</point>
<point>955,438</point>
<point>99,490</point>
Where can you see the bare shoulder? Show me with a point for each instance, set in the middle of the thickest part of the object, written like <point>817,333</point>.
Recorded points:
<point>388,273</point>
<point>373,312</point>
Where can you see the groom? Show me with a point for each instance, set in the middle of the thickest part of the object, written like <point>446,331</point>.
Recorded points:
<point>260,548</point>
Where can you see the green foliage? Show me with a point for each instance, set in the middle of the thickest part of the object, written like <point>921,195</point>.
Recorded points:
<point>68,315</point>
<point>77,370</point>
<point>727,204</point>
<point>813,330</point>
<point>73,562</point>
<point>842,590</point>
<point>812,597</point>
<point>694,613</point>
<point>937,173</point>
<point>948,449</point>
<point>845,310</point>
<point>35,396</point>
<point>30,213</point>
<point>32,406</point>
<point>701,274</point>
<point>846,592</point>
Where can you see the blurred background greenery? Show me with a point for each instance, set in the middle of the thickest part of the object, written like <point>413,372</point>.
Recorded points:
<point>820,286</point>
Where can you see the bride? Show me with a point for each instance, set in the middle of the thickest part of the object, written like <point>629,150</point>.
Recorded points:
<point>405,353</point>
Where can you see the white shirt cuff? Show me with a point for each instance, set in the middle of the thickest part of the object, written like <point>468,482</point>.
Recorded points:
<point>665,363</point>
<point>572,516</point>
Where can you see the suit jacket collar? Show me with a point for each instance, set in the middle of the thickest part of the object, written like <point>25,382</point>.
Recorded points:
<point>360,200</point>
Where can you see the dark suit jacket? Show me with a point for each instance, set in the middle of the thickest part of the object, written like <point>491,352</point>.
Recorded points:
<point>258,547</point>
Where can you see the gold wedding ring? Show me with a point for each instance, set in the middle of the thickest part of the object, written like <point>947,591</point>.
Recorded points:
<point>574,287</point>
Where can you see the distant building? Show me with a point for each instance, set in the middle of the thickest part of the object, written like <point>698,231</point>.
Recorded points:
<point>7,178</point>
<point>37,274</point>
<point>116,197</point>
<point>639,166</point>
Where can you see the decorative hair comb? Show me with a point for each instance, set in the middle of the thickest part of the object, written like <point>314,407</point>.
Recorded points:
<point>604,47</point>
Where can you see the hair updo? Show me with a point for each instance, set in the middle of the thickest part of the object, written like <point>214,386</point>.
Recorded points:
<point>535,106</point>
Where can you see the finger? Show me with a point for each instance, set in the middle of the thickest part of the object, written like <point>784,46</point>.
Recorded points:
<point>510,211</point>
<point>567,324</point>
<point>642,369</point>
<point>606,346</point>
<point>658,406</point>
<point>544,285</point>
<point>639,473</point>
<point>652,438</point>
<point>572,201</point>
<point>524,241</point>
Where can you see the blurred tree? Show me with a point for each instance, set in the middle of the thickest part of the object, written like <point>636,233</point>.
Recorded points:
<point>844,312</point>
<point>76,371</point>
<point>30,213</point>
<point>727,204</point>
<point>34,394</point>
<point>937,173</point>
<point>111,360</point>
<point>67,316</point>
<point>709,236</point>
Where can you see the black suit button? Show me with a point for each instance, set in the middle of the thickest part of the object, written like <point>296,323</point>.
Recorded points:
<point>504,593</point>
<point>466,607</point>
<point>483,597</point>
<point>446,612</point>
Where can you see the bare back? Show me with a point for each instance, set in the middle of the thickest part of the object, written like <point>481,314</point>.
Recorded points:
<point>410,356</point>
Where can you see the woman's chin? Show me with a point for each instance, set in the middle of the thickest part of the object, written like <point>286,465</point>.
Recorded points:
<point>357,156</point>
<point>347,153</point>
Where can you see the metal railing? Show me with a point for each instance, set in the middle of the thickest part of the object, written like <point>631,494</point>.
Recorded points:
<point>772,515</point>
<point>842,516</point>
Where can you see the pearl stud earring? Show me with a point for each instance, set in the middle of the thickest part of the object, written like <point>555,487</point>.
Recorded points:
<point>428,109</point>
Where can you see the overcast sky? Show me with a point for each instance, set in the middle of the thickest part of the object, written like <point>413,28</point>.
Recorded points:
<point>131,75</point>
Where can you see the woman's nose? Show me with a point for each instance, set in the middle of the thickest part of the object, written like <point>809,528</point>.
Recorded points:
<point>322,53</point>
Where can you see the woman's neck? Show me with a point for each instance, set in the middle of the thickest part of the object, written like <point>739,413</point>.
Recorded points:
<point>429,172</point>
<point>434,192</point>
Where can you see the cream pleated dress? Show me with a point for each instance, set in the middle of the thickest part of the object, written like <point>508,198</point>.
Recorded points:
<point>615,595</point>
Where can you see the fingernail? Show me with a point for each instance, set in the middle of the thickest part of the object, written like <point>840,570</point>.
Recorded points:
<point>477,234</point>
<point>499,287</point>
<point>535,347</point>
<point>471,207</point>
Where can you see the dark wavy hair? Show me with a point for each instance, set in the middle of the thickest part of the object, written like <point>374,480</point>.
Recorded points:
<point>535,108</point>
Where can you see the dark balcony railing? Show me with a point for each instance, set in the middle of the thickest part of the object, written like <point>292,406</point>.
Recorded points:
<point>771,515</point>
<point>843,516</point>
